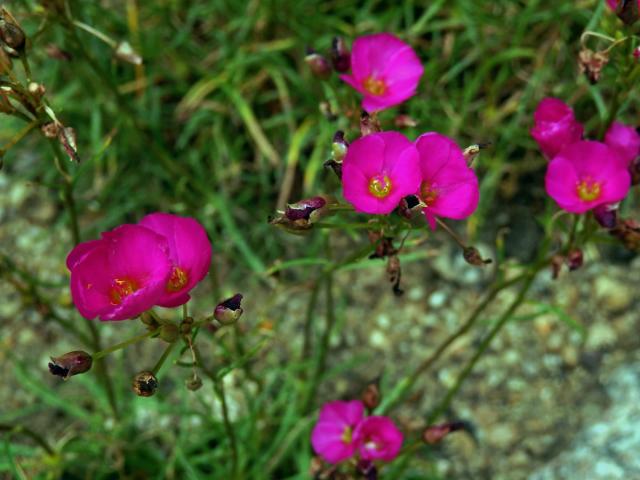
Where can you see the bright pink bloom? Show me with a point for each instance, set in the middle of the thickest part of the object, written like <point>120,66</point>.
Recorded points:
<point>121,275</point>
<point>378,439</point>
<point>624,139</point>
<point>378,171</point>
<point>587,174</point>
<point>384,69</point>
<point>555,126</point>
<point>332,437</point>
<point>449,188</point>
<point>189,251</point>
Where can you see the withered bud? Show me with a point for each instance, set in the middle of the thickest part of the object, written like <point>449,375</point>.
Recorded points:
<point>409,205</point>
<point>394,273</point>
<point>627,11</point>
<point>169,332</point>
<point>591,63</point>
<point>403,121</point>
<point>340,56</point>
<point>339,146</point>
<point>37,90</point>
<point>229,311</point>
<point>125,52</point>
<point>383,245</point>
<point>606,215</point>
<point>628,232</point>
<point>145,384</point>
<point>10,31</point>
<point>50,130</point>
<point>369,124</point>
<point>300,216</point>
<point>472,257</point>
<point>371,395</point>
<point>55,52</point>
<point>194,383</point>
<point>574,259</point>
<point>556,265</point>
<point>67,138</point>
<point>70,364</point>
<point>435,433</point>
<point>318,65</point>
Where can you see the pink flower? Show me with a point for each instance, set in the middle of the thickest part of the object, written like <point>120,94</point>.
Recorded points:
<point>378,171</point>
<point>378,439</point>
<point>555,126</point>
<point>332,437</point>
<point>625,140</point>
<point>585,175</point>
<point>121,275</point>
<point>384,69</point>
<point>189,252</point>
<point>448,188</point>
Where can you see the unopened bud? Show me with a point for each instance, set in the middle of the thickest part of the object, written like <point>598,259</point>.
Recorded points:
<point>627,11</point>
<point>169,332</point>
<point>339,146</point>
<point>318,65</point>
<point>435,433</point>
<point>371,395</point>
<point>229,311</point>
<point>194,383</point>
<point>606,215</point>
<point>10,32</point>
<point>340,56</point>
<point>574,259</point>
<point>591,63</point>
<point>472,257</point>
<point>369,124</point>
<point>186,325</point>
<point>299,217</point>
<point>69,364</point>
<point>145,384</point>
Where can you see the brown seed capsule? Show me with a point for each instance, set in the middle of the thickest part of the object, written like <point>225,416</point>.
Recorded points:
<point>194,383</point>
<point>69,364</point>
<point>229,311</point>
<point>472,257</point>
<point>145,384</point>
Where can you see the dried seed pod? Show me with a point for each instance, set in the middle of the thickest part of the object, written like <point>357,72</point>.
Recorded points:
<point>145,384</point>
<point>194,383</point>
<point>472,257</point>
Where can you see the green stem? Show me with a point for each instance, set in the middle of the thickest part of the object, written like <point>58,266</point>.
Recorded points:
<point>67,193</point>
<point>102,371</point>
<point>231,434</point>
<point>36,437</point>
<point>308,322</point>
<point>121,345</point>
<point>163,358</point>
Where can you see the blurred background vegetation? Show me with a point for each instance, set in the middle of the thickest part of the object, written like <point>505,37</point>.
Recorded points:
<point>223,121</point>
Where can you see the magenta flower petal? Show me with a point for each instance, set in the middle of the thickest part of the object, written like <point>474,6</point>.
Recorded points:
<point>189,251</point>
<point>378,439</point>
<point>449,187</point>
<point>378,171</point>
<point>121,275</point>
<point>625,139</point>
<point>332,436</point>
<point>587,174</point>
<point>555,126</point>
<point>384,69</point>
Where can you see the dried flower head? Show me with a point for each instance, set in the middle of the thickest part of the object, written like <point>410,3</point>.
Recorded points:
<point>69,364</point>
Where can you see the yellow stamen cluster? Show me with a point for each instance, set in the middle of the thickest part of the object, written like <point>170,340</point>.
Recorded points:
<point>121,288</point>
<point>380,186</point>
<point>375,86</point>
<point>588,190</point>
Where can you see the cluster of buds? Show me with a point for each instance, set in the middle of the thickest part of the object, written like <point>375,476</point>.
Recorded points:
<point>340,59</point>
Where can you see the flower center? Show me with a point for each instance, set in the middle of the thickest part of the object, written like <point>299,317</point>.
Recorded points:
<point>371,444</point>
<point>428,194</point>
<point>588,190</point>
<point>178,280</point>
<point>121,288</point>
<point>347,435</point>
<point>374,86</point>
<point>380,186</point>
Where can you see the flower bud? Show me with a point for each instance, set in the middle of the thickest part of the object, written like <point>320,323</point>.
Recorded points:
<point>194,383</point>
<point>606,215</point>
<point>627,11</point>
<point>145,384</point>
<point>300,216</point>
<point>371,395</point>
<point>229,311</point>
<point>591,63</point>
<point>10,32</point>
<point>472,257</point>
<point>574,259</point>
<point>435,433</point>
<point>318,65</point>
<point>339,146</point>
<point>169,332</point>
<point>69,364</point>
<point>340,55</point>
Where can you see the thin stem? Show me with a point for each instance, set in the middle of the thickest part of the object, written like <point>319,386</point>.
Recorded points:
<point>451,233</point>
<point>308,322</point>
<point>435,356</point>
<point>102,371</point>
<point>67,193</point>
<point>36,437</point>
<point>96,33</point>
<point>231,434</point>
<point>163,358</point>
<point>121,345</point>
